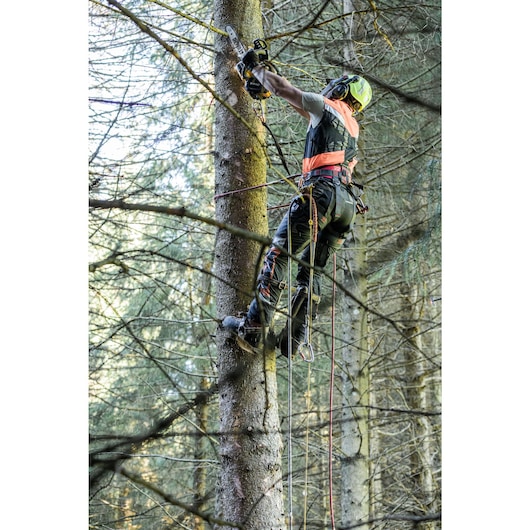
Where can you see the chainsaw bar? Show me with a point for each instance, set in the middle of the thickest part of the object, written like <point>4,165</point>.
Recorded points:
<point>238,46</point>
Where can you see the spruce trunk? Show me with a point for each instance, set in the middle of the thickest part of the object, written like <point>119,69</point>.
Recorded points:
<point>355,499</point>
<point>250,444</point>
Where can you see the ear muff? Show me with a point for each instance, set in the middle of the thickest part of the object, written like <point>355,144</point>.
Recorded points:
<point>342,88</point>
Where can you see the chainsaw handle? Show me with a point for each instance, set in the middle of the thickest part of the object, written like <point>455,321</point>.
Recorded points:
<point>260,44</point>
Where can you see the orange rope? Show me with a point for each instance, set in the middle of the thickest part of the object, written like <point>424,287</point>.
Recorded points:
<point>331,384</point>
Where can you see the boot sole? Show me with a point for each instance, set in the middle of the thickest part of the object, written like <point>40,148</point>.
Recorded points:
<point>269,345</point>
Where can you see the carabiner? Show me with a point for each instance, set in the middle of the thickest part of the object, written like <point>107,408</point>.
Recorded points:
<point>306,352</point>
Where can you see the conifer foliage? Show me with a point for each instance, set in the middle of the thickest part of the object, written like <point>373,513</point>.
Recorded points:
<point>188,178</point>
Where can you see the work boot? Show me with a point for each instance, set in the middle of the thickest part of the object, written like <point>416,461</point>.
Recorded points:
<point>299,344</point>
<point>233,323</point>
<point>248,333</point>
<point>298,329</point>
<point>298,323</point>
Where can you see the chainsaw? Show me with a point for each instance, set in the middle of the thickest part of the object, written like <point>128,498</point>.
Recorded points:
<point>252,85</point>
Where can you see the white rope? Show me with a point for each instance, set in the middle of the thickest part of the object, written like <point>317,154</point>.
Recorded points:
<point>308,346</point>
<point>289,380</point>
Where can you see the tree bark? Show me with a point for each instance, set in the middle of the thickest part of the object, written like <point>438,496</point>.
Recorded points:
<point>199,473</point>
<point>250,481</point>
<point>354,496</point>
<point>422,456</point>
<point>355,490</point>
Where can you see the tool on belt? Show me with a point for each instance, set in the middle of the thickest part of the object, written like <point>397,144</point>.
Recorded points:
<point>342,175</point>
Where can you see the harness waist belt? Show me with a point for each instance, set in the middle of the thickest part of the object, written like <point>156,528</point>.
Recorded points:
<point>338,174</point>
<point>330,172</point>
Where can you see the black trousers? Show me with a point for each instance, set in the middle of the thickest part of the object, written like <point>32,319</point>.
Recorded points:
<point>335,204</point>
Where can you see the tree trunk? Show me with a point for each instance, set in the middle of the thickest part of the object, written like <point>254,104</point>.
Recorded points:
<point>250,481</point>
<point>199,473</point>
<point>423,455</point>
<point>354,435</point>
<point>355,491</point>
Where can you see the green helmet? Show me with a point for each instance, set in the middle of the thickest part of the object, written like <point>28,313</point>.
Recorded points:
<point>349,85</point>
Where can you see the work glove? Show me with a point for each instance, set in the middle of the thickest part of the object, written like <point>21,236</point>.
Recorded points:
<point>246,73</point>
<point>248,61</point>
<point>251,59</point>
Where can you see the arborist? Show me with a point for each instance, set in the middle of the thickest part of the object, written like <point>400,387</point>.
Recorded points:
<point>327,193</point>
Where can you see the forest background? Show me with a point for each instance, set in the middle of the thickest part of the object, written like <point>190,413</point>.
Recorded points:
<point>54,333</point>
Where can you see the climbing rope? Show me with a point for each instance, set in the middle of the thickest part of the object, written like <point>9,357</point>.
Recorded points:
<point>306,348</point>
<point>257,186</point>
<point>289,381</point>
<point>308,408</point>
